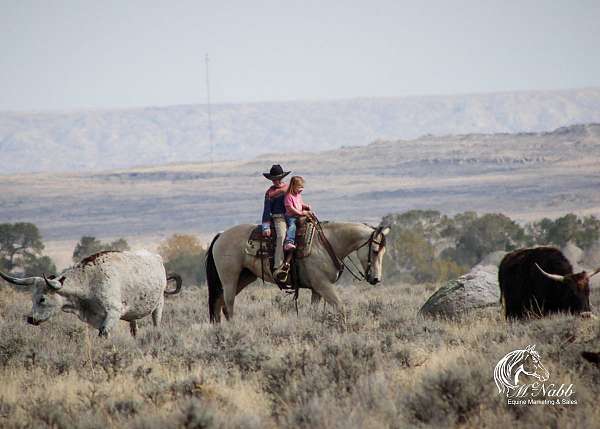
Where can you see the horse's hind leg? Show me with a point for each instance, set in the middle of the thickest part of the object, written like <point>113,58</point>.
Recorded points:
<point>218,307</point>
<point>246,277</point>
<point>229,280</point>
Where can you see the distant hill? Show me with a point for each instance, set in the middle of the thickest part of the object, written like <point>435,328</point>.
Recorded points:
<point>524,175</point>
<point>100,140</point>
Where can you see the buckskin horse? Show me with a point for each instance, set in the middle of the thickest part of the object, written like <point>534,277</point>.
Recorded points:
<point>229,269</point>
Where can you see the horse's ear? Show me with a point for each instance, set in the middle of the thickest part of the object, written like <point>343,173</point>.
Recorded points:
<point>530,348</point>
<point>386,230</point>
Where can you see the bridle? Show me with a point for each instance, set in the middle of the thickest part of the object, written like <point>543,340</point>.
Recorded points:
<point>340,264</point>
<point>370,242</point>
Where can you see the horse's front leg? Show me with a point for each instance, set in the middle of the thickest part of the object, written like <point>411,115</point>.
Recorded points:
<point>327,291</point>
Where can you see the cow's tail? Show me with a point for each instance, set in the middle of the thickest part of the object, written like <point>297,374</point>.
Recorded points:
<point>178,283</point>
<point>215,288</point>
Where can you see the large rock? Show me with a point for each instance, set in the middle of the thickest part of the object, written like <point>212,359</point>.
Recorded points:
<point>574,254</point>
<point>492,259</point>
<point>476,289</point>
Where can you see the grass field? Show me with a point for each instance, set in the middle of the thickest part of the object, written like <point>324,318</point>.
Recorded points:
<point>384,366</point>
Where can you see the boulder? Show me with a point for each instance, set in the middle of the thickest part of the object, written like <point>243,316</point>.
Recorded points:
<point>493,259</point>
<point>476,289</point>
<point>574,254</point>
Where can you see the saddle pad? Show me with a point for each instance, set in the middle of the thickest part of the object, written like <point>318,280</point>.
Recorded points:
<point>304,238</point>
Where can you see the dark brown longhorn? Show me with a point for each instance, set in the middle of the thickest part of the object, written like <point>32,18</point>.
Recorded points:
<point>540,281</point>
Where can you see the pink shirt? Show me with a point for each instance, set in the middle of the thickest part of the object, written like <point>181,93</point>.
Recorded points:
<point>293,204</point>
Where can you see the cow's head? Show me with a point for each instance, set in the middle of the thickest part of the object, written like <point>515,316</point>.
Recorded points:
<point>577,287</point>
<point>46,299</point>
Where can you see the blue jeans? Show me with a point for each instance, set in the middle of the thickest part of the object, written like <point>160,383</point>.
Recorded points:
<point>290,237</point>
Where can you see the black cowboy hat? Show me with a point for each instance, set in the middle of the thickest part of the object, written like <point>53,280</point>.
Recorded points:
<point>276,173</point>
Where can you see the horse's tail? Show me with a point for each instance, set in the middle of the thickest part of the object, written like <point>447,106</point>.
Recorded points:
<point>178,283</point>
<point>215,288</point>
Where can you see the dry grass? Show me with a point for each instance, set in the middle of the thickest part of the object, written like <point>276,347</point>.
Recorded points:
<point>382,367</point>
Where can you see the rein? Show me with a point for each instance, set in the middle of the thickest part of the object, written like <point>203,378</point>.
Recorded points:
<point>337,263</point>
<point>340,264</point>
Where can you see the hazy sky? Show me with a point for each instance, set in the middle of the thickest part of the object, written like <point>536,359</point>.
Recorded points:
<point>73,54</point>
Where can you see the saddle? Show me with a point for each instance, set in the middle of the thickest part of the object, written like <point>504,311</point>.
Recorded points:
<point>264,247</point>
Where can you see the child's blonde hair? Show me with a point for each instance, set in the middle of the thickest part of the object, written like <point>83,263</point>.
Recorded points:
<point>295,183</point>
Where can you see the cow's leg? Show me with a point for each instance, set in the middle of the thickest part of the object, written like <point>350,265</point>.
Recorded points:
<point>110,321</point>
<point>133,328</point>
<point>157,313</point>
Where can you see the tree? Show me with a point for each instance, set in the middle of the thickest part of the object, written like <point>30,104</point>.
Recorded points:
<point>184,254</point>
<point>410,256</point>
<point>430,223</point>
<point>564,229</point>
<point>85,247</point>
<point>39,266</point>
<point>119,245</point>
<point>590,233</point>
<point>21,247</point>
<point>584,232</point>
<point>486,234</point>
<point>18,241</point>
<point>88,246</point>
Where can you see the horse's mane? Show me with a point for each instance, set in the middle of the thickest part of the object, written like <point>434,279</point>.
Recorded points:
<point>503,373</point>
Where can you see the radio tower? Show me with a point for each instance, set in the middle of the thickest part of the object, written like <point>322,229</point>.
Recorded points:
<point>210,129</point>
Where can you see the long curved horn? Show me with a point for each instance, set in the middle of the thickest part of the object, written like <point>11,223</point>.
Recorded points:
<point>594,273</point>
<point>20,282</point>
<point>54,284</point>
<point>556,277</point>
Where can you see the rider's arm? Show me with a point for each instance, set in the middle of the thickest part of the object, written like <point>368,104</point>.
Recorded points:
<point>290,207</point>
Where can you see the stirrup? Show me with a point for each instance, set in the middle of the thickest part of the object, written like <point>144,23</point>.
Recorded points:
<point>281,275</point>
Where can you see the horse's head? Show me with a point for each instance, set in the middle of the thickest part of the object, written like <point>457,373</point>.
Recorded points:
<point>532,364</point>
<point>371,255</point>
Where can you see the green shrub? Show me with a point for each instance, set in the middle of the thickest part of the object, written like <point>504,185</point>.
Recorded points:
<point>184,255</point>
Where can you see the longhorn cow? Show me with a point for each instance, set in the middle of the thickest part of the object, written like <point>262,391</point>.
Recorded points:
<point>539,281</point>
<point>102,289</point>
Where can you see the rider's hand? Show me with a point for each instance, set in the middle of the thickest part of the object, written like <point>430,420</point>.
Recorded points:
<point>267,233</point>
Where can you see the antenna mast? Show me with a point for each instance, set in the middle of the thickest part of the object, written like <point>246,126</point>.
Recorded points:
<point>210,128</point>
